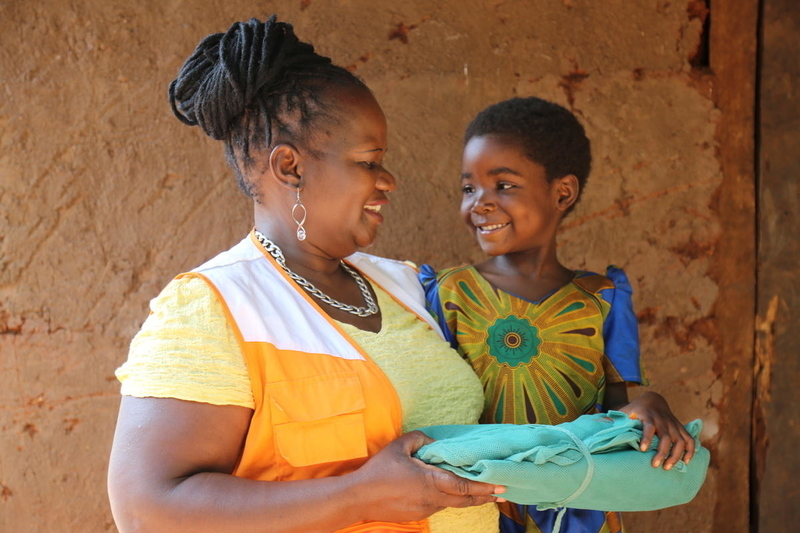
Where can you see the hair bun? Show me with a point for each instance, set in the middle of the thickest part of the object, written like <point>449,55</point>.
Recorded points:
<point>227,72</point>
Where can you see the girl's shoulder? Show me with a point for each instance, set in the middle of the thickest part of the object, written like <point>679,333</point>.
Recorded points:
<point>428,274</point>
<point>594,283</point>
<point>460,270</point>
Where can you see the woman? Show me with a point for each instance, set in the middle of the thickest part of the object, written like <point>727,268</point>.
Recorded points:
<point>269,389</point>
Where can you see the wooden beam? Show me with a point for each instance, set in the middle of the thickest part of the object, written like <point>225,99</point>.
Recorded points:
<point>733,59</point>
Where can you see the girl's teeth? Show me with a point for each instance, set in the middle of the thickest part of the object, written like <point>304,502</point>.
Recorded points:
<point>492,227</point>
<point>375,208</point>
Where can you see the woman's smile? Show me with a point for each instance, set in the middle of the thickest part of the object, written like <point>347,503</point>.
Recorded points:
<point>373,210</point>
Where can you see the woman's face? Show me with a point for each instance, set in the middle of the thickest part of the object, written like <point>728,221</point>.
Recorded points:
<point>345,184</point>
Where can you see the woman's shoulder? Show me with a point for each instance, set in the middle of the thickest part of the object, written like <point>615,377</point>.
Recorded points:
<point>360,258</point>
<point>186,294</point>
<point>402,275</point>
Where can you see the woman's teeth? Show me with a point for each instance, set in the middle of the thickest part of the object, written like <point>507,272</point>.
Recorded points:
<point>375,208</point>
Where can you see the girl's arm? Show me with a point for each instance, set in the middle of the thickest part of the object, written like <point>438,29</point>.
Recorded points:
<point>621,336</point>
<point>170,471</point>
<point>616,396</point>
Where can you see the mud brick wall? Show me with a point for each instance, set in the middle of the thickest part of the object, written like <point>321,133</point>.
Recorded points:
<point>104,197</point>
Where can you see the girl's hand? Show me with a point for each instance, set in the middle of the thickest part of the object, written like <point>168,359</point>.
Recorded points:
<point>657,419</point>
<point>399,488</point>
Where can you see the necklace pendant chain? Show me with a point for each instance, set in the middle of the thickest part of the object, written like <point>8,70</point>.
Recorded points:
<point>370,309</point>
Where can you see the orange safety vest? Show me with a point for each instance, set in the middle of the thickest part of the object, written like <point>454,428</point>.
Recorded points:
<point>322,406</point>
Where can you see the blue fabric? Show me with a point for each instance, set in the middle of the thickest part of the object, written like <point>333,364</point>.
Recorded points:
<point>621,328</point>
<point>427,277</point>
<point>593,462</point>
<point>508,525</point>
<point>573,521</point>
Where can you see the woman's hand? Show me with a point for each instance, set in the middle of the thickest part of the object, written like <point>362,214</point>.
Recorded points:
<point>657,418</point>
<point>394,486</point>
<point>170,471</point>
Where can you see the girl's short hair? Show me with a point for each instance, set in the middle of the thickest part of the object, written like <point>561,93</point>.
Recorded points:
<point>549,134</point>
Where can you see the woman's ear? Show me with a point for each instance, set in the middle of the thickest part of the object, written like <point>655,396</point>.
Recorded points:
<point>567,190</point>
<point>285,165</point>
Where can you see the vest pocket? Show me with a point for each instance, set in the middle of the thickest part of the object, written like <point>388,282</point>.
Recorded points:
<point>319,419</point>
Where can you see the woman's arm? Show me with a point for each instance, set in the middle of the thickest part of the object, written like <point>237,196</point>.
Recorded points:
<point>170,471</point>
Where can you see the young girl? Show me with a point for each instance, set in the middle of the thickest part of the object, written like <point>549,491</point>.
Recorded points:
<point>549,343</point>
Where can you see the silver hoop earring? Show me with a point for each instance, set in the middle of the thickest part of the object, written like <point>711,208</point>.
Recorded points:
<point>298,207</point>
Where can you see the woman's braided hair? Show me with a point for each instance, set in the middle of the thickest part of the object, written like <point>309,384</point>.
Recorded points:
<point>255,86</point>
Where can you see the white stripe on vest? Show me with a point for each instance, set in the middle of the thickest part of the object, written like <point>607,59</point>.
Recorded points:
<point>268,308</point>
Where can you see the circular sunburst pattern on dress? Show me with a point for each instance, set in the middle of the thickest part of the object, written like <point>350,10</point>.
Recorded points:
<point>513,341</point>
<point>539,362</point>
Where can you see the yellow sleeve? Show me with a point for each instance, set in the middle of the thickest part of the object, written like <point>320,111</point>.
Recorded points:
<point>187,350</point>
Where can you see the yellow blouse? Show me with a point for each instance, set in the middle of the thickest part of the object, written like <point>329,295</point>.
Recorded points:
<point>187,350</point>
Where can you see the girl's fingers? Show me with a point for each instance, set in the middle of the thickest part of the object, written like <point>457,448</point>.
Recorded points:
<point>690,445</point>
<point>677,452</point>
<point>664,445</point>
<point>648,430</point>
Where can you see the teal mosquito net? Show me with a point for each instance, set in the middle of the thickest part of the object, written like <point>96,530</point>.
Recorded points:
<point>593,462</point>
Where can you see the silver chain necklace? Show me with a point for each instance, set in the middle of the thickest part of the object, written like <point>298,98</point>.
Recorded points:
<point>371,308</point>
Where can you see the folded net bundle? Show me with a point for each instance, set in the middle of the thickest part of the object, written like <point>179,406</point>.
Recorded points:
<point>593,462</point>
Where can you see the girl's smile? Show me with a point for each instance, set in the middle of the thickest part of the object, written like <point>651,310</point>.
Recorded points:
<point>508,202</point>
<point>490,228</point>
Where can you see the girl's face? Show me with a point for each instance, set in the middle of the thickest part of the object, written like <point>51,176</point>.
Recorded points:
<point>346,183</point>
<point>507,201</point>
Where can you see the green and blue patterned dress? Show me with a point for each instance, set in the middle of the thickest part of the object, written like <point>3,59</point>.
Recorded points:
<point>544,362</point>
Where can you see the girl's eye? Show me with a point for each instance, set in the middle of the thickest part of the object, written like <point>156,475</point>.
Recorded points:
<point>505,186</point>
<point>371,165</point>
<point>467,189</point>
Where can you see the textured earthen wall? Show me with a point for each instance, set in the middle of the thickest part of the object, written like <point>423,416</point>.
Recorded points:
<point>104,196</point>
